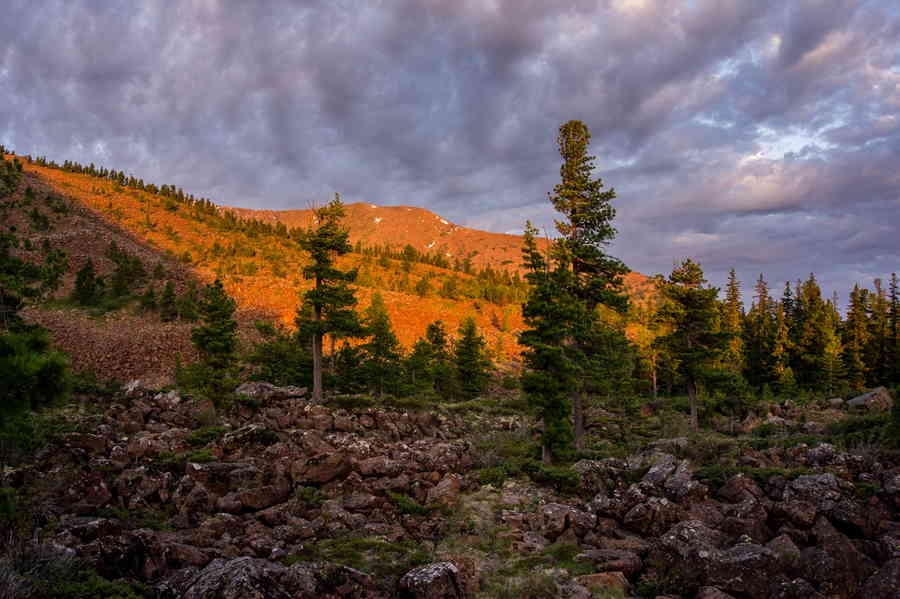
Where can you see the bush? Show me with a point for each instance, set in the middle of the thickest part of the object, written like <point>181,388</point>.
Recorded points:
<point>31,375</point>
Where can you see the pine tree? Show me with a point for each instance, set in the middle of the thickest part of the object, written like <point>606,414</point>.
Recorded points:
<point>691,310</point>
<point>733,324</point>
<point>442,371</point>
<point>549,374</point>
<point>856,337</point>
<point>382,351</point>
<point>168,311</point>
<point>215,339</point>
<point>579,268</point>
<point>187,304</point>
<point>782,375</point>
<point>327,308</point>
<point>814,326</point>
<point>86,292</point>
<point>760,336</point>
<point>470,359</point>
<point>894,330</point>
<point>877,350</point>
<point>148,299</point>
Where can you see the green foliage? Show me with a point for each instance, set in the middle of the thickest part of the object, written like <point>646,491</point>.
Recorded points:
<point>187,304</point>
<point>216,374</point>
<point>89,585</point>
<point>129,271</point>
<point>31,375</point>
<point>327,308</point>
<point>471,360</point>
<point>407,505</point>
<point>148,299</point>
<point>87,291</point>
<point>168,310</point>
<point>204,435</point>
<point>280,358</point>
<point>381,363</point>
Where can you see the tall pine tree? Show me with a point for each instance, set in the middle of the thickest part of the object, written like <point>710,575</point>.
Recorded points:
<point>327,308</point>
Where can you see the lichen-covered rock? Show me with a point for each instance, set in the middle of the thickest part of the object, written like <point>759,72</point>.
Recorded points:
<point>821,490</point>
<point>613,560</point>
<point>653,516</point>
<point>876,400</point>
<point>433,581</point>
<point>744,570</point>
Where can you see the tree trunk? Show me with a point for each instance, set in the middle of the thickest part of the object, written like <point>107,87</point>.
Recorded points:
<point>653,379</point>
<point>317,367</point>
<point>578,419</point>
<point>692,395</point>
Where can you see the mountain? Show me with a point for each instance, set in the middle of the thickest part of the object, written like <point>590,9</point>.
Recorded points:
<point>455,272</point>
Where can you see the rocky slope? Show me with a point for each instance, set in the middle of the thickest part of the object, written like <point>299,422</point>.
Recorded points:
<point>283,498</point>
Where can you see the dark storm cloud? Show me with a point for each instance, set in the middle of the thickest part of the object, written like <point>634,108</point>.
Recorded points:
<point>762,135</point>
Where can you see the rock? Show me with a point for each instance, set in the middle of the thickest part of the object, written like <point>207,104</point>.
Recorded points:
<point>835,403</point>
<point>248,435</point>
<point>611,582</point>
<point>785,550</point>
<point>876,400</point>
<point>612,560</point>
<point>266,391</point>
<point>843,570</point>
<point>821,490</point>
<point>740,488</point>
<point>712,593</point>
<point>691,541</point>
<point>661,469</point>
<point>446,492</point>
<point>884,583</point>
<point>433,581</point>
<point>797,588</point>
<point>652,517</point>
<point>745,570</point>
<point>799,513</point>
<point>556,518</point>
<point>821,455</point>
<point>681,486</point>
<point>253,578</point>
<point>320,468</point>
<point>89,443</point>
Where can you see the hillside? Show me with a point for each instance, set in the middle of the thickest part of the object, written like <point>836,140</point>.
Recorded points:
<point>262,269</point>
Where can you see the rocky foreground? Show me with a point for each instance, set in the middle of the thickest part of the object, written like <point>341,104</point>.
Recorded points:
<point>284,498</point>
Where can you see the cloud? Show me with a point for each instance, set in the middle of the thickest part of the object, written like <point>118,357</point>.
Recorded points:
<point>761,135</point>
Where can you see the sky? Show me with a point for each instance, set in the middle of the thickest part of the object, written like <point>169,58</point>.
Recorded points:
<point>759,135</point>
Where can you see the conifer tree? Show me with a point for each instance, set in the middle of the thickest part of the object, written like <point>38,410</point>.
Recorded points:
<point>815,326</point>
<point>327,308</point>
<point>168,311</point>
<point>691,310</point>
<point>579,276</point>
<point>187,304</point>
<point>382,350</point>
<point>782,374</point>
<point>549,374</point>
<point>877,350</point>
<point>760,335</point>
<point>148,299</point>
<point>856,337</point>
<point>215,339</point>
<point>86,292</point>
<point>442,372</point>
<point>894,330</point>
<point>470,359</point>
<point>733,324</point>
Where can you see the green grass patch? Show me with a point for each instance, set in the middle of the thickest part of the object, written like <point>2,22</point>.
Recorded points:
<point>375,556</point>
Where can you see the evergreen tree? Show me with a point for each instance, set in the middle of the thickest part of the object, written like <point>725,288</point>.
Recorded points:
<point>327,308</point>
<point>894,330</point>
<point>442,370</point>
<point>168,310</point>
<point>382,351</point>
<point>187,304</point>
<point>832,364</point>
<point>691,311</point>
<point>148,299</point>
<point>419,366</point>
<point>760,336</point>
<point>782,375</point>
<point>733,324</point>
<point>470,358</point>
<point>856,337</point>
<point>215,339</point>
<point>877,350</point>
<point>814,326</point>
<point>86,292</point>
<point>579,277</point>
<point>549,374</point>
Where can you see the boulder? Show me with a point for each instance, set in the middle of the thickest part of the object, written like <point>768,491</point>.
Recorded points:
<point>653,516</point>
<point>821,490</point>
<point>266,391</point>
<point>885,582</point>
<point>613,560</point>
<point>446,492</point>
<point>876,400</point>
<point>835,403</point>
<point>745,570</point>
<point>797,588</point>
<point>609,582</point>
<point>433,581</point>
<point>713,593</point>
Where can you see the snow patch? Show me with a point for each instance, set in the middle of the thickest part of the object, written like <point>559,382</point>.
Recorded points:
<point>431,245</point>
<point>377,219</point>
<point>445,222</point>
